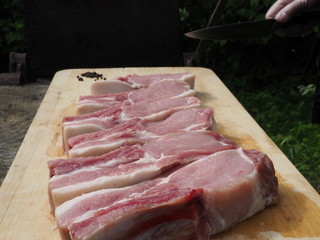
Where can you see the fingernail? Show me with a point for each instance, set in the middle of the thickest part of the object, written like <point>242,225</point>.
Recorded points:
<point>281,16</point>
<point>268,17</point>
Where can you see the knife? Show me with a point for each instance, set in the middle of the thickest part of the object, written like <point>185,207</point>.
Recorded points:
<point>253,29</point>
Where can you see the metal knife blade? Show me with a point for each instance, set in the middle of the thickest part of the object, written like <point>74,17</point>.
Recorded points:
<point>253,29</point>
<point>241,30</point>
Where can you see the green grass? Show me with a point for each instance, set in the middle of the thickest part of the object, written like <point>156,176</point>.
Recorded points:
<point>280,99</point>
<point>284,113</point>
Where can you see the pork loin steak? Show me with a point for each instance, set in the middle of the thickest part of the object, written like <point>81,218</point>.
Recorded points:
<point>194,201</point>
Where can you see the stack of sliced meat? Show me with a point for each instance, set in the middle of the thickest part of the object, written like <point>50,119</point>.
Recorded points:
<point>143,164</point>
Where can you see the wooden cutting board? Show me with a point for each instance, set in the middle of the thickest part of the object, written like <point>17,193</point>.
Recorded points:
<point>24,208</point>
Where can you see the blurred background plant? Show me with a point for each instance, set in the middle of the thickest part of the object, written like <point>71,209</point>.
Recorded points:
<point>272,77</point>
<point>268,75</point>
<point>11,31</point>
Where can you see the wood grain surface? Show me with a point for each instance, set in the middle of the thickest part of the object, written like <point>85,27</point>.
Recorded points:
<point>24,207</point>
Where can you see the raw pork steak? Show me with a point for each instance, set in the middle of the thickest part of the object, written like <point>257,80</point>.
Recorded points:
<point>107,118</point>
<point>156,91</point>
<point>160,155</point>
<point>195,201</point>
<point>133,81</point>
<point>138,131</point>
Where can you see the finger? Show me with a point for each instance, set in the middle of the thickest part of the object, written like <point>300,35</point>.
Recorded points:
<point>277,7</point>
<point>287,13</point>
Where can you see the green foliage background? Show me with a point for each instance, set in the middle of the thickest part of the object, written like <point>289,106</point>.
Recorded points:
<point>11,30</point>
<point>270,76</point>
<point>267,75</point>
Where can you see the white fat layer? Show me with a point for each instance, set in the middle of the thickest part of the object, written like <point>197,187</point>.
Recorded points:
<point>90,213</point>
<point>60,195</point>
<point>80,123</point>
<point>91,105</point>
<point>122,200</point>
<point>259,202</point>
<point>72,130</point>
<point>159,115</point>
<point>146,159</point>
<point>129,99</point>
<point>88,108</point>
<point>79,150</point>
<point>98,149</point>
<point>223,144</point>
<point>137,195</point>
<point>75,127</point>
<point>77,171</point>
<point>244,156</point>
<point>256,206</point>
<point>193,126</point>
<point>144,134</point>
<point>123,117</point>
<point>109,86</point>
<point>66,206</point>
<point>164,113</point>
<point>114,163</point>
<point>86,215</point>
<point>94,101</point>
<point>136,85</point>
<point>189,78</point>
<point>188,93</point>
<point>163,181</point>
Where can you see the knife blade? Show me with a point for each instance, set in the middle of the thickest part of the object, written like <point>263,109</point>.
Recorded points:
<point>253,29</point>
<point>241,30</point>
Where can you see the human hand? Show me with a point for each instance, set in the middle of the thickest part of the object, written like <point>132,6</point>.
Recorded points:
<point>284,10</point>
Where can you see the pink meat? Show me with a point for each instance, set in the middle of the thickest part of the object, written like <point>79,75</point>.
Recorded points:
<point>138,131</point>
<point>191,119</point>
<point>160,155</point>
<point>124,154</point>
<point>231,186</point>
<point>156,91</point>
<point>132,125</point>
<point>97,147</point>
<point>92,103</point>
<point>146,80</point>
<point>173,214</point>
<point>70,210</point>
<point>110,117</point>
<point>134,81</point>
<point>165,179</point>
<point>157,110</point>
